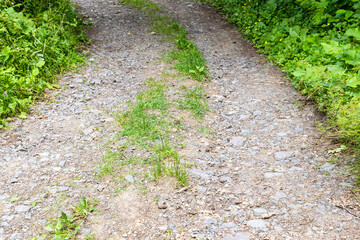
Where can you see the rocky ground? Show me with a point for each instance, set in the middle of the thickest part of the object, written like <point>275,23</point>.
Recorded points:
<point>262,172</point>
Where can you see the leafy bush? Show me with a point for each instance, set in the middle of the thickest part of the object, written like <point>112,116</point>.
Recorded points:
<point>316,43</point>
<point>38,39</point>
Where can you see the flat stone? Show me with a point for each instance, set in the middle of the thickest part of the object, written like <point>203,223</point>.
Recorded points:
<point>202,189</point>
<point>237,141</point>
<point>88,131</point>
<point>271,174</point>
<point>4,196</point>
<point>130,178</point>
<point>327,167</point>
<point>163,228</point>
<point>257,113</point>
<point>22,208</point>
<point>15,236</point>
<point>13,180</point>
<point>259,211</point>
<point>246,131</point>
<point>224,179</point>
<point>44,154</point>
<point>7,218</point>
<point>258,224</point>
<point>279,195</point>
<point>229,225</point>
<point>210,221</point>
<point>162,205</point>
<point>283,155</point>
<point>238,236</point>
<point>62,163</point>
<point>85,231</point>
<point>200,174</point>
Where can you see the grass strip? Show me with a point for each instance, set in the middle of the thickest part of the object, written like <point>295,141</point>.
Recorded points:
<point>187,57</point>
<point>148,126</point>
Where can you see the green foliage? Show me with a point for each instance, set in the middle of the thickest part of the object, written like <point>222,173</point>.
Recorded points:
<point>188,59</point>
<point>194,100</point>
<point>317,43</point>
<point>147,125</point>
<point>67,227</point>
<point>38,39</point>
<point>141,5</point>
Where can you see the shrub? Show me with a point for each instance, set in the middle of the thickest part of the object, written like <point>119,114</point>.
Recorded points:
<point>38,39</point>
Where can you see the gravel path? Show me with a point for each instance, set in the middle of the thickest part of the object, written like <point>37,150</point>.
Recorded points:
<point>263,174</point>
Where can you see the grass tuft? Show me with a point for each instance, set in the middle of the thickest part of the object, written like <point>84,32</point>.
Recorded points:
<point>194,100</point>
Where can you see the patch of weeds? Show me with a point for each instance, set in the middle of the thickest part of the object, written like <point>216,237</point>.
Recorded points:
<point>206,131</point>
<point>145,122</point>
<point>194,100</point>
<point>188,59</point>
<point>146,126</point>
<point>110,163</point>
<point>164,25</point>
<point>67,227</point>
<point>142,5</point>
<point>166,161</point>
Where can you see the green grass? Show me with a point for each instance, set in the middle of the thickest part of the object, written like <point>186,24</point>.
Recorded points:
<point>194,100</point>
<point>187,57</point>
<point>146,126</point>
<point>67,227</point>
<point>38,41</point>
<point>141,5</point>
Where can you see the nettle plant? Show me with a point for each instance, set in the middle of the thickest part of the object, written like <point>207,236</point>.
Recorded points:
<point>38,39</point>
<point>316,43</point>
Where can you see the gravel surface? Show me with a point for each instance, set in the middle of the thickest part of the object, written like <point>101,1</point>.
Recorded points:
<point>262,174</point>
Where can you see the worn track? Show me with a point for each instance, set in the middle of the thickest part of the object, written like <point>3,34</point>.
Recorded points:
<point>263,174</point>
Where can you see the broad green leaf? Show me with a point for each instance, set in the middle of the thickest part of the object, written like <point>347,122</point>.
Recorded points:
<point>299,72</point>
<point>332,47</point>
<point>353,82</point>
<point>40,64</point>
<point>23,115</point>
<point>35,72</point>
<point>49,228</point>
<point>353,32</point>
<point>348,14</point>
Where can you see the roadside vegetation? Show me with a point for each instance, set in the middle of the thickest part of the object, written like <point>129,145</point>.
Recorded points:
<point>317,44</point>
<point>38,41</point>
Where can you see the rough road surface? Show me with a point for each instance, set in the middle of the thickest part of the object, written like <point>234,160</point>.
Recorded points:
<point>263,174</point>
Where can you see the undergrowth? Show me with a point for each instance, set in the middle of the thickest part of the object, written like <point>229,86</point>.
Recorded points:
<point>38,40</point>
<point>317,44</point>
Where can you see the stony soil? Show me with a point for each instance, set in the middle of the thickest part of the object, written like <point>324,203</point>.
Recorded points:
<point>262,174</point>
